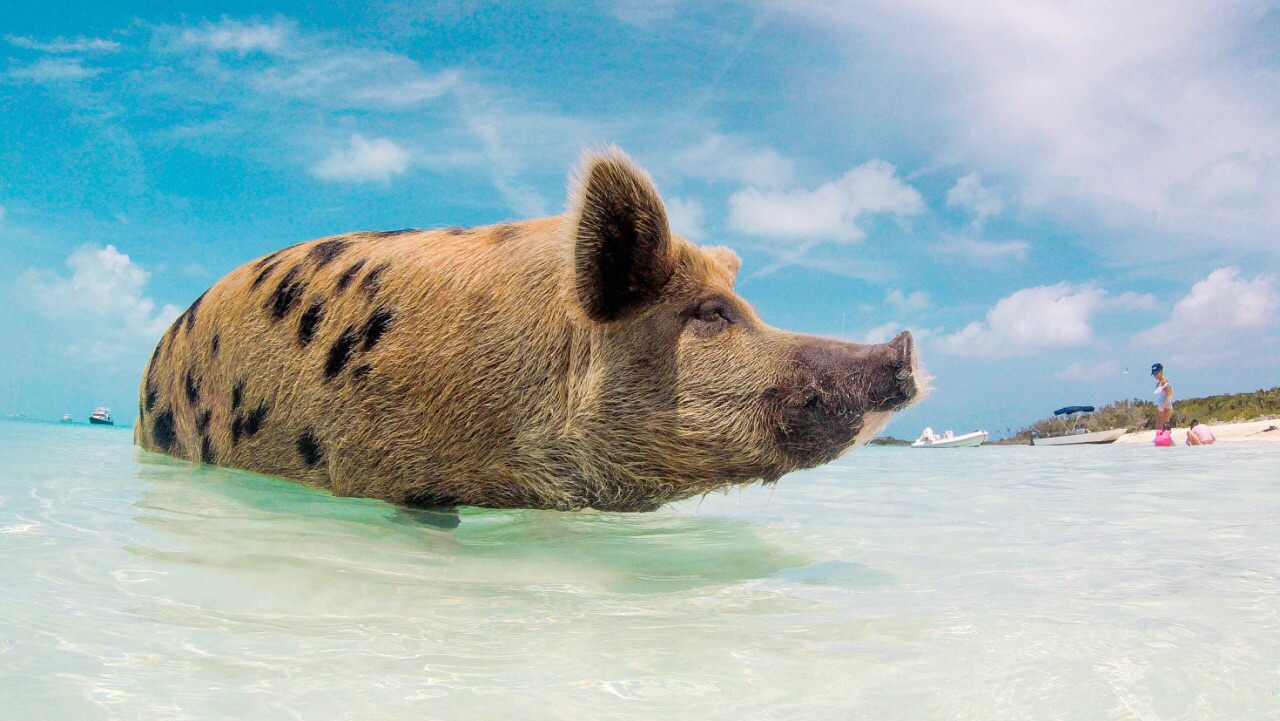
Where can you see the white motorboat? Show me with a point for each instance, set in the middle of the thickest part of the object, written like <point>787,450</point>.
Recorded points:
<point>66,418</point>
<point>1078,435</point>
<point>102,417</point>
<point>929,439</point>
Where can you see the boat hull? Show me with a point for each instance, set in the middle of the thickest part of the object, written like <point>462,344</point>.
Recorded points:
<point>1081,439</point>
<point>968,440</point>
<point>100,422</point>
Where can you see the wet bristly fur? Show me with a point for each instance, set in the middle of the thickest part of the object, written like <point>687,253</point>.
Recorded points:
<point>589,360</point>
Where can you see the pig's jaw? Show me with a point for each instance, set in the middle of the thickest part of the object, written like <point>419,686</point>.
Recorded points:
<point>872,424</point>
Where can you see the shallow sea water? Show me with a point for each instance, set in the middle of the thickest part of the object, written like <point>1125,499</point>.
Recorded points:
<point>991,583</point>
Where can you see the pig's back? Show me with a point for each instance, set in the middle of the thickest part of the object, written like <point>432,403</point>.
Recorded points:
<point>370,363</point>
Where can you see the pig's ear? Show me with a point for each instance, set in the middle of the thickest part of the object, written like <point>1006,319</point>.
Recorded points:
<point>621,242</point>
<point>725,257</point>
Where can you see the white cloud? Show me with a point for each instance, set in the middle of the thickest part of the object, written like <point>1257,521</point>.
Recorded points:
<point>53,70</point>
<point>644,13</point>
<point>1223,315</point>
<point>1154,114</point>
<point>971,195</point>
<point>889,331</point>
<point>730,157</point>
<point>907,303</point>
<point>1129,300</point>
<point>62,45</point>
<point>237,36</point>
<point>341,77</point>
<point>832,211</point>
<point>882,333</point>
<point>409,90</point>
<point>984,252</point>
<point>686,217</point>
<point>1077,371</point>
<point>103,303</point>
<point>1029,321</point>
<point>363,161</point>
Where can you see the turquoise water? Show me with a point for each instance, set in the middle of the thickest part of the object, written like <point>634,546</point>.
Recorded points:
<point>992,583</point>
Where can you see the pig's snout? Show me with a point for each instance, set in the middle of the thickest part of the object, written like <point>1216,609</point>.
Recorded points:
<point>835,385</point>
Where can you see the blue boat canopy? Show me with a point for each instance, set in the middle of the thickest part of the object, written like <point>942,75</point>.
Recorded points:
<point>1073,409</point>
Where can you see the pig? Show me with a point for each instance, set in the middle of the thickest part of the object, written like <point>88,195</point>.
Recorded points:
<point>593,360</point>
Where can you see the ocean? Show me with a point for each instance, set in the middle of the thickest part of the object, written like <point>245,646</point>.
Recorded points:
<point>1118,582</point>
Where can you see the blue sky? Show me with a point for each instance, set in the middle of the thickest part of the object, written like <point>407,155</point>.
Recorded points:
<point>1047,194</point>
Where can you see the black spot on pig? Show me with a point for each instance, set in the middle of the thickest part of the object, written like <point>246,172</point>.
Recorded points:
<point>193,387</point>
<point>324,252</point>
<point>190,313</point>
<point>340,352</point>
<point>309,321</point>
<point>254,420</point>
<point>162,430</point>
<point>310,449</point>
<point>379,234</point>
<point>347,275</point>
<point>503,233</point>
<point>264,272</point>
<point>373,280</point>
<point>378,324</point>
<point>267,259</point>
<point>287,294</point>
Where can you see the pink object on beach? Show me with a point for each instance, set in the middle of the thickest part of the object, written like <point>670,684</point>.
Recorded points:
<point>1203,433</point>
<point>1164,437</point>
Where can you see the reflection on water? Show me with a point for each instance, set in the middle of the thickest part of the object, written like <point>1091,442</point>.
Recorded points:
<point>282,523</point>
<point>896,584</point>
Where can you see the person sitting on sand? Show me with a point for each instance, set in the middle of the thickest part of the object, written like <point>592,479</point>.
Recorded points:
<point>1165,409</point>
<point>1198,434</point>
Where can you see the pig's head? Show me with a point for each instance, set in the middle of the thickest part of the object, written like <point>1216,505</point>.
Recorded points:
<point>687,386</point>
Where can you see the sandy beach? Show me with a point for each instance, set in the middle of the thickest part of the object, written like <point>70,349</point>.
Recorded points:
<point>1225,432</point>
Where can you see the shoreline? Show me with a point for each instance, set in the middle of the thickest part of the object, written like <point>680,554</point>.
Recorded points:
<point>1243,432</point>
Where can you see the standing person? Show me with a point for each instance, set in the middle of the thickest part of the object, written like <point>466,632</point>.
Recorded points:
<point>1164,409</point>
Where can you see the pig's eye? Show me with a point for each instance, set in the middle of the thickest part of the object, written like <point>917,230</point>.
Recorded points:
<point>709,316</point>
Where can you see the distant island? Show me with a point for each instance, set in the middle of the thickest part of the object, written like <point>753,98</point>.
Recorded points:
<point>1137,414</point>
<point>887,441</point>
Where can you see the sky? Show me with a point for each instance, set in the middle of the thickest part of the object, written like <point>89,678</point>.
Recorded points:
<point>1051,196</point>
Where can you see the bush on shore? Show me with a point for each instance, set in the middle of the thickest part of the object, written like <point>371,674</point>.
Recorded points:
<point>1140,414</point>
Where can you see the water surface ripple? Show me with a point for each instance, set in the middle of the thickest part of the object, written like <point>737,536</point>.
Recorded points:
<point>1122,582</point>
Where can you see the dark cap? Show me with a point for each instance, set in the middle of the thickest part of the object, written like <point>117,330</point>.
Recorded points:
<point>1156,368</point>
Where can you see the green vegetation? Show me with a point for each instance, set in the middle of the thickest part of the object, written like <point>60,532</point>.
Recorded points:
<point>1139,414</point>
<point>887,441</point>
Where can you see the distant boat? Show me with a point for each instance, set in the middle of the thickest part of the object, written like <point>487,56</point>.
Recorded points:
<point>1078,435</point>
<point>102,417</point>
<point>929,439</point>
<point>66,418</point>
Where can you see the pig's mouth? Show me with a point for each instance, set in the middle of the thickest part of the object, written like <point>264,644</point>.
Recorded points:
<point>844,396</point>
